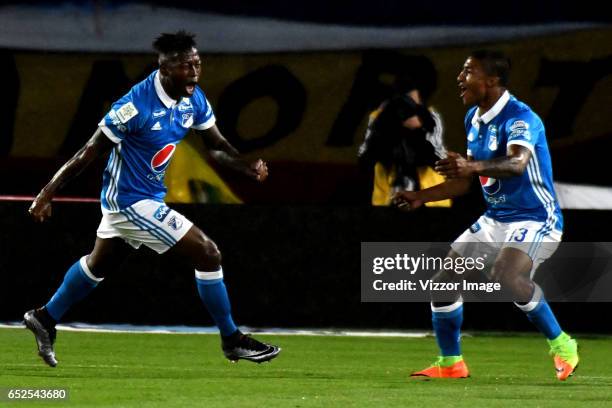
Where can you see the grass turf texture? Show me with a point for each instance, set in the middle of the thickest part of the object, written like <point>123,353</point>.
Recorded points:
<point>162,370</point>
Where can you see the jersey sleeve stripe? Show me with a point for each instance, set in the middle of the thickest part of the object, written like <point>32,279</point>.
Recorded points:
<point>115,172</point>
<point>109,133</point>
<point>547,194</point>
<point>547,201</point>
<point>539,178</point>
<point>206,125</point>
<point>522,143</point>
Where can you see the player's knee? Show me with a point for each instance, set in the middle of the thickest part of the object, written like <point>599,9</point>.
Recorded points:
<point>210,257</point>
<point>504,279</point>
<point>96,267</point>
<point>509,281</point>
<point>499,274</point>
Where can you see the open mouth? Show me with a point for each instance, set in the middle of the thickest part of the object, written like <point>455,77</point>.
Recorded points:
<point>462,90</point>
<point>190,87</point>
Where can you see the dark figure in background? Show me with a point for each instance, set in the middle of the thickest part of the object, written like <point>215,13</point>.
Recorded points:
<point>402,143</point>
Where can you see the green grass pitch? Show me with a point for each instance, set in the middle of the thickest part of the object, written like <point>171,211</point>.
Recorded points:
<point>165,370</point>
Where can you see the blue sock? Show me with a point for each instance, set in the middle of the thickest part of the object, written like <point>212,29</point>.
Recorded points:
<point>78,283</point>
<point>539,313</point>
<point>214,296</point>
<point>544,319</point>
<point>447,326</point>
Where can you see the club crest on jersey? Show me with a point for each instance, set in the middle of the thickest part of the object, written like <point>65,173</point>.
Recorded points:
<point>492,137</point>
<point>187,119</point>
<point>493,142</point>
<point>175,223</point>
<point>161,159</point>
<point>490,185</point>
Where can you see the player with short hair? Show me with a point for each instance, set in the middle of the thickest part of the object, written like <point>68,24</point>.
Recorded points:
<point>141,131</point>
<point>507,149</point>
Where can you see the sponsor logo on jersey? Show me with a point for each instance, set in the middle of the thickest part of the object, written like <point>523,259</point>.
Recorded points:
<point>159,113</point>
<point>496,200</point>
<point>519,124</point>
<point>127,112</point>
<point>471,137</point>
<point>520,133</point>
<point>490,185</point>
<point>184,105</point>
<point>112,115</point>
<point>161,213</point>
<point>175,223</point>
<point>475,228</point>
<point>161,159</point>
<point>519,128</point>
<point>187,119</point>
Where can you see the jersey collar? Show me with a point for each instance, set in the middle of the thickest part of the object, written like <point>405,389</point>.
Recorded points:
<point>161,93</point>
<point>493,112</point>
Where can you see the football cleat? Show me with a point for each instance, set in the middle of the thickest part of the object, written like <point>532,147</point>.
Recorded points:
<point>244,347</point>
<point>437,370</point>
<point>564,350</point>
<point>45,337</point>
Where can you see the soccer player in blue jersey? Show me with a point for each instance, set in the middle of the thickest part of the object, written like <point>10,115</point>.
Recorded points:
<point>141,131</point>
<point>507,150</point>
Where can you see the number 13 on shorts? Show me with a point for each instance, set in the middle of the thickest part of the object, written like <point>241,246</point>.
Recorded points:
<point>518,235</point>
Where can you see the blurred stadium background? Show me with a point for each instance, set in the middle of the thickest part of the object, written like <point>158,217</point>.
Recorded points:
<point>293,84</point>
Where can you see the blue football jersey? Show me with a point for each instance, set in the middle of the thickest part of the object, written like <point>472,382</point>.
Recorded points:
<point>530,196</point>
<point>146,124</point>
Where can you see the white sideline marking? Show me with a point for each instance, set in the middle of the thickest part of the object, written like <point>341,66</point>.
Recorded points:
<point>128,328</point>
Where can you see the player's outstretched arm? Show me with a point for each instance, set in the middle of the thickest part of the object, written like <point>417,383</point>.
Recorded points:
<point>221,151</point>
<point>451,188</point>
<point>513,164</point>
<point>97,145</point>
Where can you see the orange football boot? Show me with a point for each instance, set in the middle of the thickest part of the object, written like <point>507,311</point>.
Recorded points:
<point>436,370</point>
<point>564,350</point>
